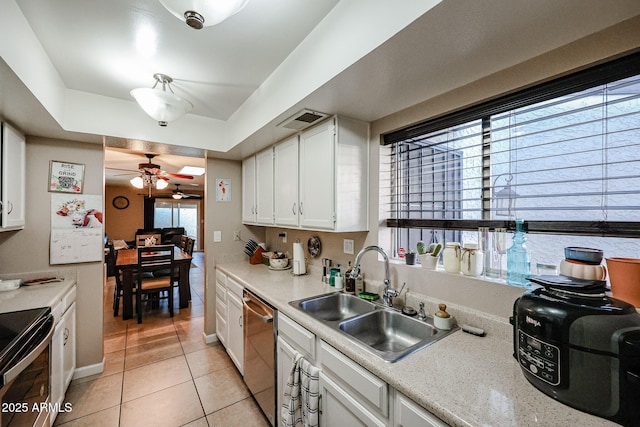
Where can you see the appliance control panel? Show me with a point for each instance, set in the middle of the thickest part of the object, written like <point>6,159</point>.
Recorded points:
<point>539,358</point>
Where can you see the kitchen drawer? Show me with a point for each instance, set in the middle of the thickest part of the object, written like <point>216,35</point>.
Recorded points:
<point>63,305</point>
<point>297,336</point>
<point>410,414</point>
<point>221,277</point>
<point>221,308</point>
<point>69,298</point>
<point>371,388</point>
<point>234,287</point>
<point>221,293</point>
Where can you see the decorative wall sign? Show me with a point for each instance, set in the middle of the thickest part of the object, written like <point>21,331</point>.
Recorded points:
<point>65,177</point>
<point>223,190</point>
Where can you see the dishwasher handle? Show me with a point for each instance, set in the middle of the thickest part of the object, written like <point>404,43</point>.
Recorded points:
<point>264,318</point>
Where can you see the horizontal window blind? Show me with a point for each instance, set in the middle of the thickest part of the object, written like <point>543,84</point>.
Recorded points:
<point>567,163</point>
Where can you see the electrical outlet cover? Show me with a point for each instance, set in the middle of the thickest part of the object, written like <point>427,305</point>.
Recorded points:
<point>347,246</point>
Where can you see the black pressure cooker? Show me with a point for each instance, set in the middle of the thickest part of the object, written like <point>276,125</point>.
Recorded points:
<point>580,346</point>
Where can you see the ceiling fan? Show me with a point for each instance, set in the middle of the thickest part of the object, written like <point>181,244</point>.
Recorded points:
<point>155,170</point>
<point>178,194</point>
<point>151,175</point>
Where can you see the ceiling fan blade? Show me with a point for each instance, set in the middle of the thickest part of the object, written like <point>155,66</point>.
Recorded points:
<point>179,175</point>
<point>123,170</point>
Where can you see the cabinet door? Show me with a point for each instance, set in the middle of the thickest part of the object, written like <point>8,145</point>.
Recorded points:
<point>317,177</point>
<point>235,340</point>
<point>409,414</point>
<point>69,345</point>
<point>222,331</point>
<point>13,178</point>
<point>264,187</point>
<point>57,364</point>
<point>249,190</point>
<point>286,181</point>
<point>63,356</point>
<point>285,358</point>
<point>340,409</point>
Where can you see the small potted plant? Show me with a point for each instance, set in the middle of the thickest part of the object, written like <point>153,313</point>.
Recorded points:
<point>429,259</point>
<point>410,257</point>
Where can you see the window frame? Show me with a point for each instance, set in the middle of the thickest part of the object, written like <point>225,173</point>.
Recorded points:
<point>617,69</point>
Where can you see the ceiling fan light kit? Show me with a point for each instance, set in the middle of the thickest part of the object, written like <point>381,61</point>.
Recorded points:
<point>162,105</point>
<point>203,13</point>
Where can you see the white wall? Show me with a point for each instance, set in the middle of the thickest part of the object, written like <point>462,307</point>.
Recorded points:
<point>28,250</point>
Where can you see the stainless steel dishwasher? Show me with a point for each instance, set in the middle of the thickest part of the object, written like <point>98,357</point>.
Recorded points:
<point>260,352</point>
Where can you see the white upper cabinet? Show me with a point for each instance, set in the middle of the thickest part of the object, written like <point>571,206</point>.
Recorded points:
<point>13,179</point>
<point>334,175</point>
<point>286,181</point>
<point>321,178</point>
<point>317,176</point>
<point>257,188</point>
<point>249,190</point>
<point>264,187</point>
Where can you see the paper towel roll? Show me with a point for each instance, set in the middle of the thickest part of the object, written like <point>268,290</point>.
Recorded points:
<point>299,266</point>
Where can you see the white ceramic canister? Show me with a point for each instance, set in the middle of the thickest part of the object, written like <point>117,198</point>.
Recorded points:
<point>472,260</point>
<point>451,257</point>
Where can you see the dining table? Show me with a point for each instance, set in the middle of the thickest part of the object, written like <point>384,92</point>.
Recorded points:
<point>127,263</point>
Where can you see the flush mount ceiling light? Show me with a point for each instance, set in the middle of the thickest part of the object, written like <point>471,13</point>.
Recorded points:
<point>203,13</point>
<point>162,105</point>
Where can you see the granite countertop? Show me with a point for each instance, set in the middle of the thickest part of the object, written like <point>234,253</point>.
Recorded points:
<point>37,295</point>
<point>462,379</point>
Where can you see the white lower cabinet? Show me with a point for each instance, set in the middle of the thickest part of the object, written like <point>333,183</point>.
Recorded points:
<point>235,339</point>
<point>63,349</point>
<point>350,395</point>
<point>222,330</point>
<point>407,413</point>
<point>340,408</point>
<point>229,321</point>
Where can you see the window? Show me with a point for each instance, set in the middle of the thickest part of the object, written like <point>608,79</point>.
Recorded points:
<point>181,213</point>
<point>565,156</point>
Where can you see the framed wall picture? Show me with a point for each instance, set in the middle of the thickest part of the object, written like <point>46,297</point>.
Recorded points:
<point>223,190</point>
<point>66,177</point>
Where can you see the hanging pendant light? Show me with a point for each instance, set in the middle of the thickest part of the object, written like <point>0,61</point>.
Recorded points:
<point>203,13</point>
<point>162,105</point>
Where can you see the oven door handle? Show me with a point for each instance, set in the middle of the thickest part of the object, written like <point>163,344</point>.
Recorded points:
<point>12,373</point>
<point>266,319</point>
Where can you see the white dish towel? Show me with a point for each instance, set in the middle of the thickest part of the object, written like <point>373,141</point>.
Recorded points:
<point>302,395</point>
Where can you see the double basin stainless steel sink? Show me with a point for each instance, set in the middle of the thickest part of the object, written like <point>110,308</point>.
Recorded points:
<point>385,332</point>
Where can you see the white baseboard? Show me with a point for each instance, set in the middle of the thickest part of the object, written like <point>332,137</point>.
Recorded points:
<point>210,339</point>
<point>87,371</point>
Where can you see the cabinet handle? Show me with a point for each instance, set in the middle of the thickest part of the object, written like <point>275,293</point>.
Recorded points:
<point>300,208</point>
<point>240,321</point>
<point>66,335</point>
<point>1,206</point>
<point>293,208</point>
<point>10,207</point>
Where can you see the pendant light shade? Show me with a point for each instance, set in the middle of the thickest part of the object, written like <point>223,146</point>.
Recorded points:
<point>162,105</point>
<point>203,13</point>
<point>137,182</point>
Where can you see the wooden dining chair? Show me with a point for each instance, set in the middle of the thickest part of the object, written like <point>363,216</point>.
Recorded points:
<point>183,242</point>
<point>152,259</point>
<point>190,243</point>
<point>142,238</point>
<point>110,258</point>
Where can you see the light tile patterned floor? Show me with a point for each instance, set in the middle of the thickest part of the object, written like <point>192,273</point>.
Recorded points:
<point>161,373</point>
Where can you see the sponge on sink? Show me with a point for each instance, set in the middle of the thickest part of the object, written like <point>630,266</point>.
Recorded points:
<point>370,296</point>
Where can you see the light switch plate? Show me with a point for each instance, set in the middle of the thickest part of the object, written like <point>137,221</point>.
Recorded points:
<point>347,246</point>
<point>217,236</point>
